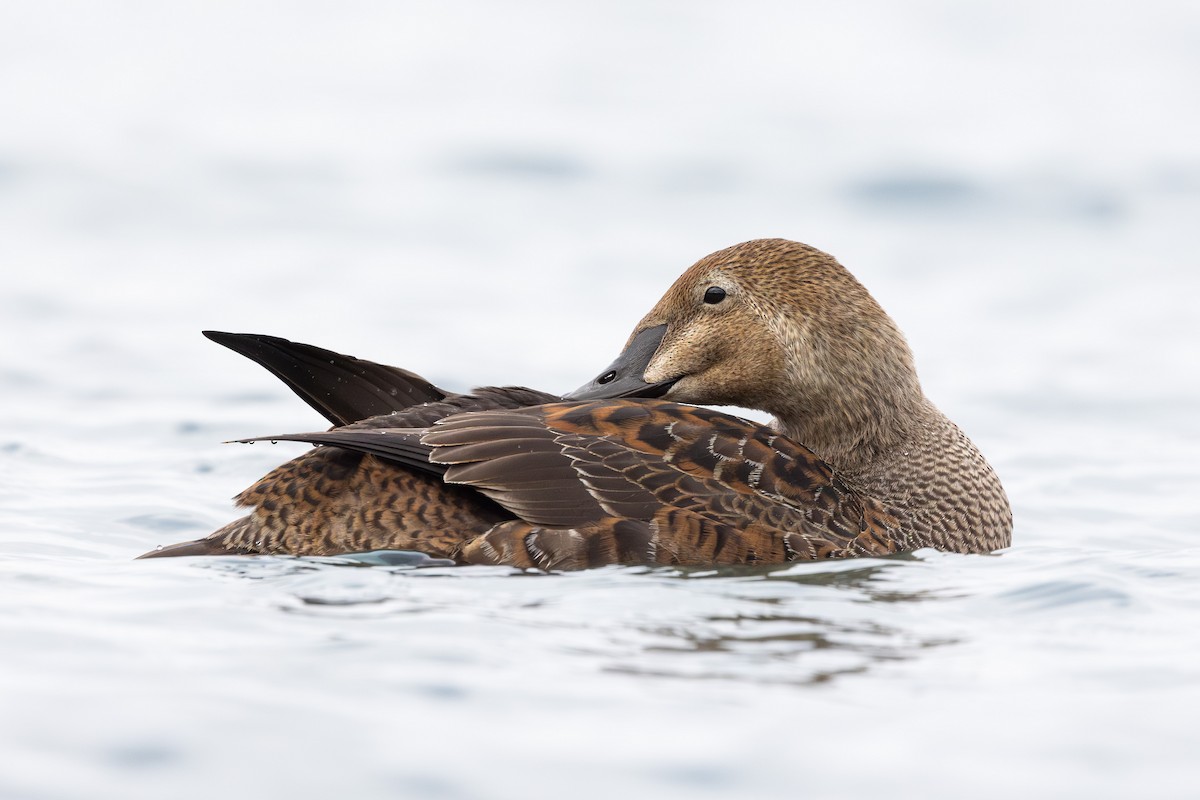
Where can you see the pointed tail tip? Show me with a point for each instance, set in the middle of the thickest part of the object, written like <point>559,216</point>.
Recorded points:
<point>234,341</point>
<point>200,547</point>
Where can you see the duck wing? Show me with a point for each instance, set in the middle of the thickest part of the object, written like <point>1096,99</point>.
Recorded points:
<point>640,481</point>
<point>344,389</point>
<point>396,437</point>
<point>333,500</point>
<point>401,446</point>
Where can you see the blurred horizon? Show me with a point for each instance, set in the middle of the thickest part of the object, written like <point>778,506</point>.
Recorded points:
<point>367,151</point>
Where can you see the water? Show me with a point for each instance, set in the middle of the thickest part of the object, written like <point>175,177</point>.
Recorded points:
<point>496,196</point>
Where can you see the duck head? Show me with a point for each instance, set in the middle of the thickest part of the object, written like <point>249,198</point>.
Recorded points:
<point>777,326</point>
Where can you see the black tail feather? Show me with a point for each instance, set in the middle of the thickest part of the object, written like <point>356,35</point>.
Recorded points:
<point>344,389</point>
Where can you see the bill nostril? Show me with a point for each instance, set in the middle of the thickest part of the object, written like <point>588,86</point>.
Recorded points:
<point>607,377</point>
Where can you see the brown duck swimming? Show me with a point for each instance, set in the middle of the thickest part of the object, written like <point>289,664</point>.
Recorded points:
<point>623,470</point>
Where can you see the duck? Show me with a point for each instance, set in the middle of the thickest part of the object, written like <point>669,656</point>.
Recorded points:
<point>633,467</point>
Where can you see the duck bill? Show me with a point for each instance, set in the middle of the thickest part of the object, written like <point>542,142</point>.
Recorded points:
<point>623,377</point>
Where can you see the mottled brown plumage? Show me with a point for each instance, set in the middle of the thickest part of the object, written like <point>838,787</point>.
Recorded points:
<point>512,476</point>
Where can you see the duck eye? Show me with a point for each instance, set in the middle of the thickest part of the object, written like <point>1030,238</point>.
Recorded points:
<point>714,295</point>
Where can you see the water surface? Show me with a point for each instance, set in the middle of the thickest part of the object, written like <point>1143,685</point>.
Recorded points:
<point>497,197</point>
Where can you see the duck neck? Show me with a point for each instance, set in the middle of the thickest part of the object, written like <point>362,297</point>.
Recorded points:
<point>922,469</point>
<point>855,436</point>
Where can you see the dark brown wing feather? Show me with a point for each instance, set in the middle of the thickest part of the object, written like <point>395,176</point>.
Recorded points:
<point>712,488</point>
<point>342,388</point>
<point>397,436</point>
<point>398,445</point>
<point>336,500</point>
